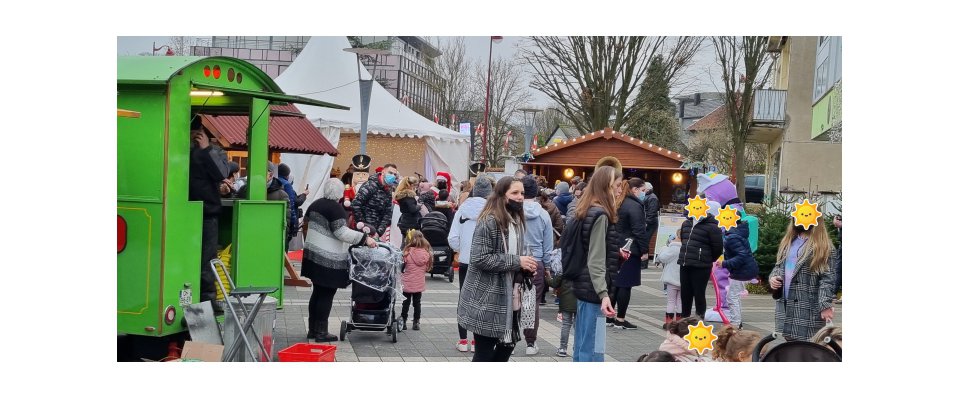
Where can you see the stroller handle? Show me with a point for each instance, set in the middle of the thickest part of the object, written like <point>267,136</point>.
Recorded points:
<point>763,342</point>
<point>379,244</point>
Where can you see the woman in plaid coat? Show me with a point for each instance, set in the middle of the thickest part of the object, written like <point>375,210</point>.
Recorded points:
<point>486,298</point>
<point>804,271</point>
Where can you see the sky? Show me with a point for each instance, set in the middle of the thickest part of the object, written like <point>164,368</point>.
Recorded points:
<point>701,76</point>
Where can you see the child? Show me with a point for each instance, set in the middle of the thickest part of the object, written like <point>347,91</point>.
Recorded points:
<point>417,261</point>
<point>734,345</point>
<point>656,356</point>
<point>568,307</point>
<point>667,256</point>
<point>742,267</point>
<point>676,345</point>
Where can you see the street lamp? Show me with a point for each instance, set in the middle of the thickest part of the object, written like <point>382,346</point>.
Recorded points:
<point>486,103</point>
<point>528,126</point>
<point>156,49</point>
<point>366,85</point>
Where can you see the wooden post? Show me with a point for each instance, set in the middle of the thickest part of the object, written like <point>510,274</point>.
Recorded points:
<point>294,279</point>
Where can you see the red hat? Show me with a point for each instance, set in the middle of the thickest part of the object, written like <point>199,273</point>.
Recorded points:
<point>445,176</point>
<point>379,170</point>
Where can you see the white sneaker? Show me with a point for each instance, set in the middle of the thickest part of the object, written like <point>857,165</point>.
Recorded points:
<point>532,350</point>
<point>462,345</point>
<point>473,346</point>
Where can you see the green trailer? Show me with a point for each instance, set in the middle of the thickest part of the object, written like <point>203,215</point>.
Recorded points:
<point>158,228</point>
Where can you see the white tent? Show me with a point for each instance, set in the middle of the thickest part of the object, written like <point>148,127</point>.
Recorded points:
<point>325,72</point>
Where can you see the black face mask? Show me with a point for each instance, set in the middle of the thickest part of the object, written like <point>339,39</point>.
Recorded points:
<point>515,206</point>
<point>798,229</point>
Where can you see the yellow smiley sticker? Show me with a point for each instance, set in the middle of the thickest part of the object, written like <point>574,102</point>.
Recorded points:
<point>728,218</point>
<point>697,207</point>
<point>700,338</point>
<point>805,214</point>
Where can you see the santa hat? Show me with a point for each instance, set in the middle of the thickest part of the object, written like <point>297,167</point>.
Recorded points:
<point>379,170</point>
<point>444,175</point>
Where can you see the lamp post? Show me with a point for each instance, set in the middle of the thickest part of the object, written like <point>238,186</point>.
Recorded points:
<point>155,49</point>
<point>486,103</point>
<point>528,126</point>
<point>366,85</point>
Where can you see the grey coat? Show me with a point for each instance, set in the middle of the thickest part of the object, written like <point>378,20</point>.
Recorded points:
<point>486,298</point>
<point>798,313</point>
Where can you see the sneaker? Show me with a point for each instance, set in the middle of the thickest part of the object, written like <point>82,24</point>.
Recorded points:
<point>462,346</point>
<point>532,349</point>
<point>473,346</point>
<point>624,325</point>
<point>561,352</point>
<point>556,300</point>
<point>610,321</point>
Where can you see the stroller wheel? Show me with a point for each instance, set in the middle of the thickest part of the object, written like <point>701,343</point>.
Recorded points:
<point>396,327</point>
<point>343,330</point>
<point>450,277</point>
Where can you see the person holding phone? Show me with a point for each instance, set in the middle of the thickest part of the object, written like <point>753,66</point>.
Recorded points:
<point>208,169</point>
<point>486,298</point>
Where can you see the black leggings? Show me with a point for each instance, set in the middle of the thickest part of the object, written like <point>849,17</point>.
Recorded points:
<point>321,301</point>
<point>406,306</point>
<point>620,299</point>
<point>463,275</point>
<point>491,349</point>
<point>693,286</point>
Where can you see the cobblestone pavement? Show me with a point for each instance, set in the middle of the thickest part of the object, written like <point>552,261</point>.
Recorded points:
<point>438,335</point>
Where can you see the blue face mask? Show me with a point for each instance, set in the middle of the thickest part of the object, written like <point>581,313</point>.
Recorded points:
<point>390,179</point>
<point>641,195</point>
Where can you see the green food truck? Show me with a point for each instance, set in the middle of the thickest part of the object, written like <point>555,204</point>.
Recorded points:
<point>158,228</point>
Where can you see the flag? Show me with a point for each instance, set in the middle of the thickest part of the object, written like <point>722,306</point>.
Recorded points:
<point>533,146</point>
<point>506,139</point>
<point>453,119</point>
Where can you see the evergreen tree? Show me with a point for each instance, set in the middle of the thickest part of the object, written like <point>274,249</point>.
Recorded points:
<point>656,120</point>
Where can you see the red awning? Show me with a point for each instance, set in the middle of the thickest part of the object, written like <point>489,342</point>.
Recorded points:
<point>289,132</point>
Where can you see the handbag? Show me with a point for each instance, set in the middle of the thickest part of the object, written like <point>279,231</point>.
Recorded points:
<point>528,306</point>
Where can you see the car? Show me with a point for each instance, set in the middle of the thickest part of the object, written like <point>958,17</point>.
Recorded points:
<point>753,188</point>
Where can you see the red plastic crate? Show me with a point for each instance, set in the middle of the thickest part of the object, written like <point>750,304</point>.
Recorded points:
<point>308,352</point>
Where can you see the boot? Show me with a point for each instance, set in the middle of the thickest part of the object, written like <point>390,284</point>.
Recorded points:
<point>403,323</point>
<point>416,324</point>
<point>312,327</point>
<point>667,319</point>
<point>323,334</point>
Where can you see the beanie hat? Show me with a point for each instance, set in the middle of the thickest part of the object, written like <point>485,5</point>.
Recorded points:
<point>530,187</point>
<point>563,188</point>
<point>717,187</point>
<point>283,170</point>
<point>483,186</point>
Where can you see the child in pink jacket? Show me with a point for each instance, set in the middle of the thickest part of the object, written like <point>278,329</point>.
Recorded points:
<point>417,261</point>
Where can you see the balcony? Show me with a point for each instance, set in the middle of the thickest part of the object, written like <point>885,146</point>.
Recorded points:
<point>769,115</point>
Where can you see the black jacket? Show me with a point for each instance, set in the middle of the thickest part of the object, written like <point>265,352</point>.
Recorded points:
<point>373,205</point>
<point>208,167</point>
<point>409,210</point>
<point>582,285</point>
<point>632,223</point>
<point>701,243</point>
<point>651,207</point>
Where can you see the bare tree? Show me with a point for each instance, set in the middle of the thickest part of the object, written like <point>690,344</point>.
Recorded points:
<point>745,67</point>
<point>454,69</point>
<point>508,93</point>
<point>546,122</point>
<point>595,79</point>
<point>713,147</point>
<point>181,44</point>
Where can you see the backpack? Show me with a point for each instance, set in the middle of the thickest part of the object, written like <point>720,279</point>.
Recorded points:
<point>573,258</point>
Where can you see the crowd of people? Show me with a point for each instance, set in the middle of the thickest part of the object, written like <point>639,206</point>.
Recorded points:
<point>504,234</point>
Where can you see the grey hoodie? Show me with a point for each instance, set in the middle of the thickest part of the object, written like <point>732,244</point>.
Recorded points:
<point>463,224</point>
<point>538,235</point>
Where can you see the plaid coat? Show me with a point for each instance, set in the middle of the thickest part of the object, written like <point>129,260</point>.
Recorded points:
<point>486,298</point>
<point>798,313</point>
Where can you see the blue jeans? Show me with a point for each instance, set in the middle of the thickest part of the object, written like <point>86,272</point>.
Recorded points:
<point>589,333</point>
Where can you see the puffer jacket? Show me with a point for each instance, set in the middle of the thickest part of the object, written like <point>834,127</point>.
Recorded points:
<point>556,219</point>
<point>678,348</point>
<point>651,209</point>
<point>374,205</point>
<point>632,223</point>
<point>464,223</point>
<point>445,208</point>
<point>486,298</point>
<point>737,257</point>
<point>702,242</point>
<point>409,211</point>
<point>583,287</point>
<point>562,201</point>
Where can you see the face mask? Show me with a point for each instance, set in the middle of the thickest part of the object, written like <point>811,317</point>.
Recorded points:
<point>515,206</point>
<point>641,195</point>
<point>798,229</point>
<point>390,179</point>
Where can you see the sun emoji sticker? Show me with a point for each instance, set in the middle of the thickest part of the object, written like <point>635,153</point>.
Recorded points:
<point>697,207</point>
<point>806,214</point>
<point>700,338</point>
<point>728,218</point>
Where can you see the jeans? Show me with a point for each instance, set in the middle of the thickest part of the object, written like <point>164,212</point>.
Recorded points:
<point>565,328</point>
<point>589,334</point>
<point>491,349</point>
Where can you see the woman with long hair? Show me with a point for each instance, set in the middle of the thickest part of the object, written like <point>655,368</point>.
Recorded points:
<point>631,224</point>
<point>461,238</point>
<point>803,279</point>
<point>486,299</point>
<point>406,198</point>
<point>325,258</point>
<point>596,216</point>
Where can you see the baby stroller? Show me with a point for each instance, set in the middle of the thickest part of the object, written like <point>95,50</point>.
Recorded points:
<point>797,351</point>
<point>435,229</point>
<point>375,274</point>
